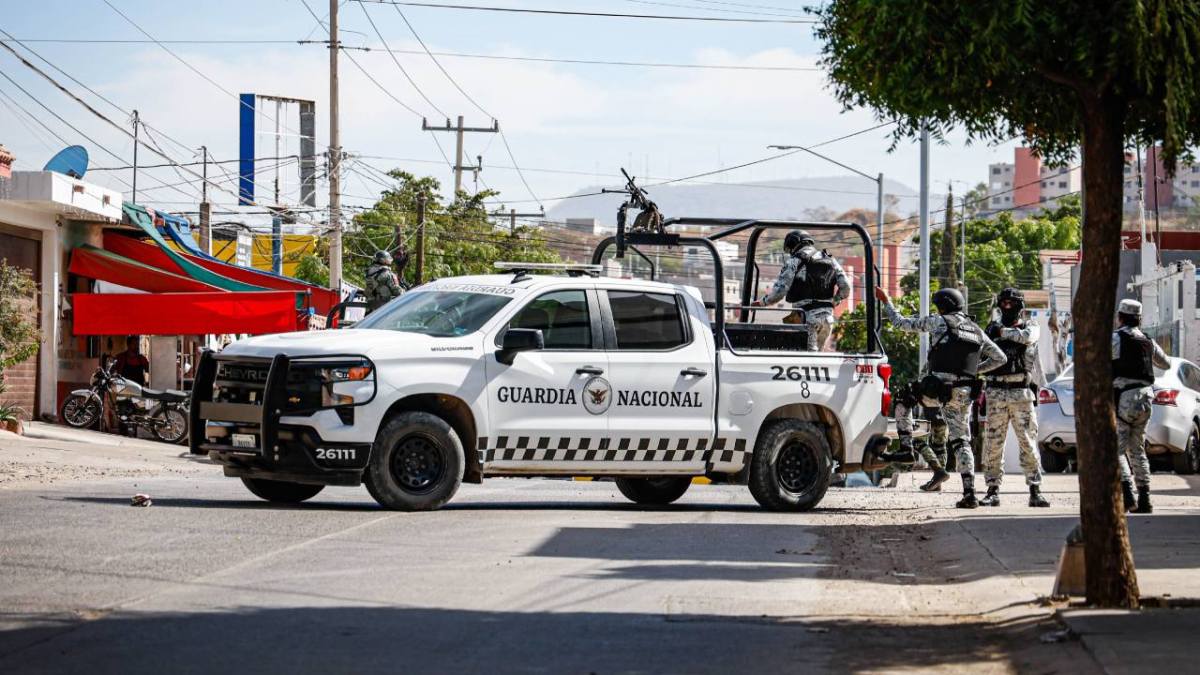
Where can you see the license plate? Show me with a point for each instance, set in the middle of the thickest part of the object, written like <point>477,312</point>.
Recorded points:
<point>244,441</point>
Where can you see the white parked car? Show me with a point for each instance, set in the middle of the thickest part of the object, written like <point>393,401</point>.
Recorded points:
<point>1173,433</point>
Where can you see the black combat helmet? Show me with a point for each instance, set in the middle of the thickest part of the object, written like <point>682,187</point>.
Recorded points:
<point>948,301</point>
<point>383,258</point>
<point>797,238</point>
<point>1013,294</point>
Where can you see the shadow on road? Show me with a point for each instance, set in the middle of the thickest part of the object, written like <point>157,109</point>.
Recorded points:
<point>239,504</point>
<point>415,640</point>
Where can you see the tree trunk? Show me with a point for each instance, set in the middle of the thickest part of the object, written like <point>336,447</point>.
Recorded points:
<point>1111,581</point>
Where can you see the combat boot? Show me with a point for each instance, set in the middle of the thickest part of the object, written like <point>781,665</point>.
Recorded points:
<point>992,498</point>
<point>935,484</point>
<point>1127,495</point>
<point>968,500</point>
<point>1035,497</point>
<point>1143,500</point>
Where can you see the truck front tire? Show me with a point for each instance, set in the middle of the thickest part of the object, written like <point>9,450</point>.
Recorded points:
<point>416,464</point>
<point>281,492</point>
<point>791,467</point>
<point>654,491</point>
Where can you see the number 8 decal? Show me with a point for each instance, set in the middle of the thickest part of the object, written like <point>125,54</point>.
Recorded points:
<point>804,389</point>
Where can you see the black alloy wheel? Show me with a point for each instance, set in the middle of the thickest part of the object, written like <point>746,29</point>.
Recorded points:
<point>417,464</point>
<point>797,469</point>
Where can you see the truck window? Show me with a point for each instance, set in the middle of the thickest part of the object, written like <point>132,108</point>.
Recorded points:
<point>436,313</point>
<point>646,321</point>
<point>562,316</point>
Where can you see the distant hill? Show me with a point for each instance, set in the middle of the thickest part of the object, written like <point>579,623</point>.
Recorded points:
<point>794,199</point>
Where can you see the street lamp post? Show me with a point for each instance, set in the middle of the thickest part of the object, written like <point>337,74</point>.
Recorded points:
<point>878,180</point>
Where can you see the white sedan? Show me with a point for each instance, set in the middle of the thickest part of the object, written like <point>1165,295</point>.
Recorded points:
<point>1173,433</point>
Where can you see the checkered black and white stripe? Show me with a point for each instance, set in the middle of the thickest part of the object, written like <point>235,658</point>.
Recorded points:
<point>588,449</point>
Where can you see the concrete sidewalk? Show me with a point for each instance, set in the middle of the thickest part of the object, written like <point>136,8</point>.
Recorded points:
<point>47,454</point>
<point>1149,641</point>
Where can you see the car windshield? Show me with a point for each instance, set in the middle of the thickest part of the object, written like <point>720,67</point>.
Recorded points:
<point>436,313</point>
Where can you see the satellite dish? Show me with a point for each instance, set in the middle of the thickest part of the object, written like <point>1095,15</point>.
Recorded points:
<point>72,161</point>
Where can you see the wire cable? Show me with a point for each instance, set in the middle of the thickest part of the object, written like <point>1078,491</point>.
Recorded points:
<point>607,15</point>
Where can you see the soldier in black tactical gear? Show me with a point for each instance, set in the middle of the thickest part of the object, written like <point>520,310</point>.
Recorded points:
<point>1010,391</point>
<point>958,353</point>
<point>814,282</point>
<point>1134,358</point>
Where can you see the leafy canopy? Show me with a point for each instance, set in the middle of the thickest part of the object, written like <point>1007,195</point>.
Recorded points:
<point>1017,68</point>
<point>459,238</point>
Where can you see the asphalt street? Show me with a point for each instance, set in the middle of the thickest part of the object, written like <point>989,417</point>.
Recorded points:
<point>526,576</point>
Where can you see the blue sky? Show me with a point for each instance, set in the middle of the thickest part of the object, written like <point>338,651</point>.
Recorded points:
<point>585,119</point>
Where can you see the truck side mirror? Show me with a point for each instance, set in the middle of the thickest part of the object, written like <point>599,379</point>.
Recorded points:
<point>519,340</point>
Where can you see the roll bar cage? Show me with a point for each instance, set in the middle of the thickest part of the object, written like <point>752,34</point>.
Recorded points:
<point>732,226</point>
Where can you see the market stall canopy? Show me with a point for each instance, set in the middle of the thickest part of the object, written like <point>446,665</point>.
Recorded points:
<point>215,312</point>
<point>321,299</point>
<point>96,263</point>
<point>139,216</point>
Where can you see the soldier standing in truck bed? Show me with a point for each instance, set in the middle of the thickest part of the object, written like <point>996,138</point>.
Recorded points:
<point>814,282</point>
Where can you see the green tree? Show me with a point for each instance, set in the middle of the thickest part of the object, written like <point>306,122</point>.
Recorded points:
<point>313,270</point>
<point>1095,74</point>
<point>459,237</point>
<point>19,335</point>
<point>1003,252</point>
<point>948,268</point>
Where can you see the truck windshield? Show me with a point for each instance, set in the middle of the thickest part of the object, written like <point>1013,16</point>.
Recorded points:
<point>436,313</point>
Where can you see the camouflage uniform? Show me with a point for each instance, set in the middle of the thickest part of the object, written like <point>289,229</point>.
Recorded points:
<point>1133,412</point>
<point>382,286</point>
<point>956,412</point>
<point>1015,407</point>
<point>819,320</point>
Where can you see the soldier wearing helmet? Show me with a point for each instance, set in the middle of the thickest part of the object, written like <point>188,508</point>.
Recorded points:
<point>382,284</point>
<point>959,352</point>
<point>813,281</point>
<point>1134,358</point>
<point>1010,394</point>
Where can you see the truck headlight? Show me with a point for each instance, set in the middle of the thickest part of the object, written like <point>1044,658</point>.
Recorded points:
<point>346,384</point>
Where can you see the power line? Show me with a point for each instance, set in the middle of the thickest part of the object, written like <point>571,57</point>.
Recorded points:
<point>658,3</point>
<point>458,55</point>
<point>397,62</point>
<point>608,15</point>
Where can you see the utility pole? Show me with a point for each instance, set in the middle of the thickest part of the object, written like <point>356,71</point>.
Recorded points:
<point>335,157</point>
<point>205,208</point>
<point>513,215</point>
<point>962,251</point>
<point>924,222</point>
<point>135,147</point>
<point>419,276</point>
<point>1147,252</point>
<point>459,131</point>
<point>879,229</point>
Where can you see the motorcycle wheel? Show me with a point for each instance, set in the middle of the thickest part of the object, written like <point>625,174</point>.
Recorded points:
<point>171,426</point>
<point>80,412</point>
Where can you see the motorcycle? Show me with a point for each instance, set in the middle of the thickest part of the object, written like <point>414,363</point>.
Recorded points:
<point>164,413</point>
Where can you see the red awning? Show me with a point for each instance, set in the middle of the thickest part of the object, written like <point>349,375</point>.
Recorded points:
<point>321,299</point>
<point>255,313</point>
<point>94,263</point>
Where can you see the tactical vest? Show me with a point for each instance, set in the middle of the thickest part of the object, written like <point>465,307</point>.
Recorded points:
<point>1136,361</point>
<point>1014,351</point>
<point>820,275</point>
<point>957,351</point>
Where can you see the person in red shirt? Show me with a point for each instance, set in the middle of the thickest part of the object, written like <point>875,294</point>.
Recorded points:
<point>131,365</point>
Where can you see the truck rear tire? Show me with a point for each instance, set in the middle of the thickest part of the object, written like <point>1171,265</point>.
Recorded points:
<point>791,467</point>
<point>281,492</point>
<point>654,491</point>
<point>416,464</point>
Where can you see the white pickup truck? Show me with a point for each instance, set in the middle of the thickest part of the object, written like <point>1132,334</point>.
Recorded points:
<point>522,374</point>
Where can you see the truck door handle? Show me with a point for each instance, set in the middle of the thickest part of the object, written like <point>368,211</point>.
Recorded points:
<point>589,370</point>
<point>693,372</point>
